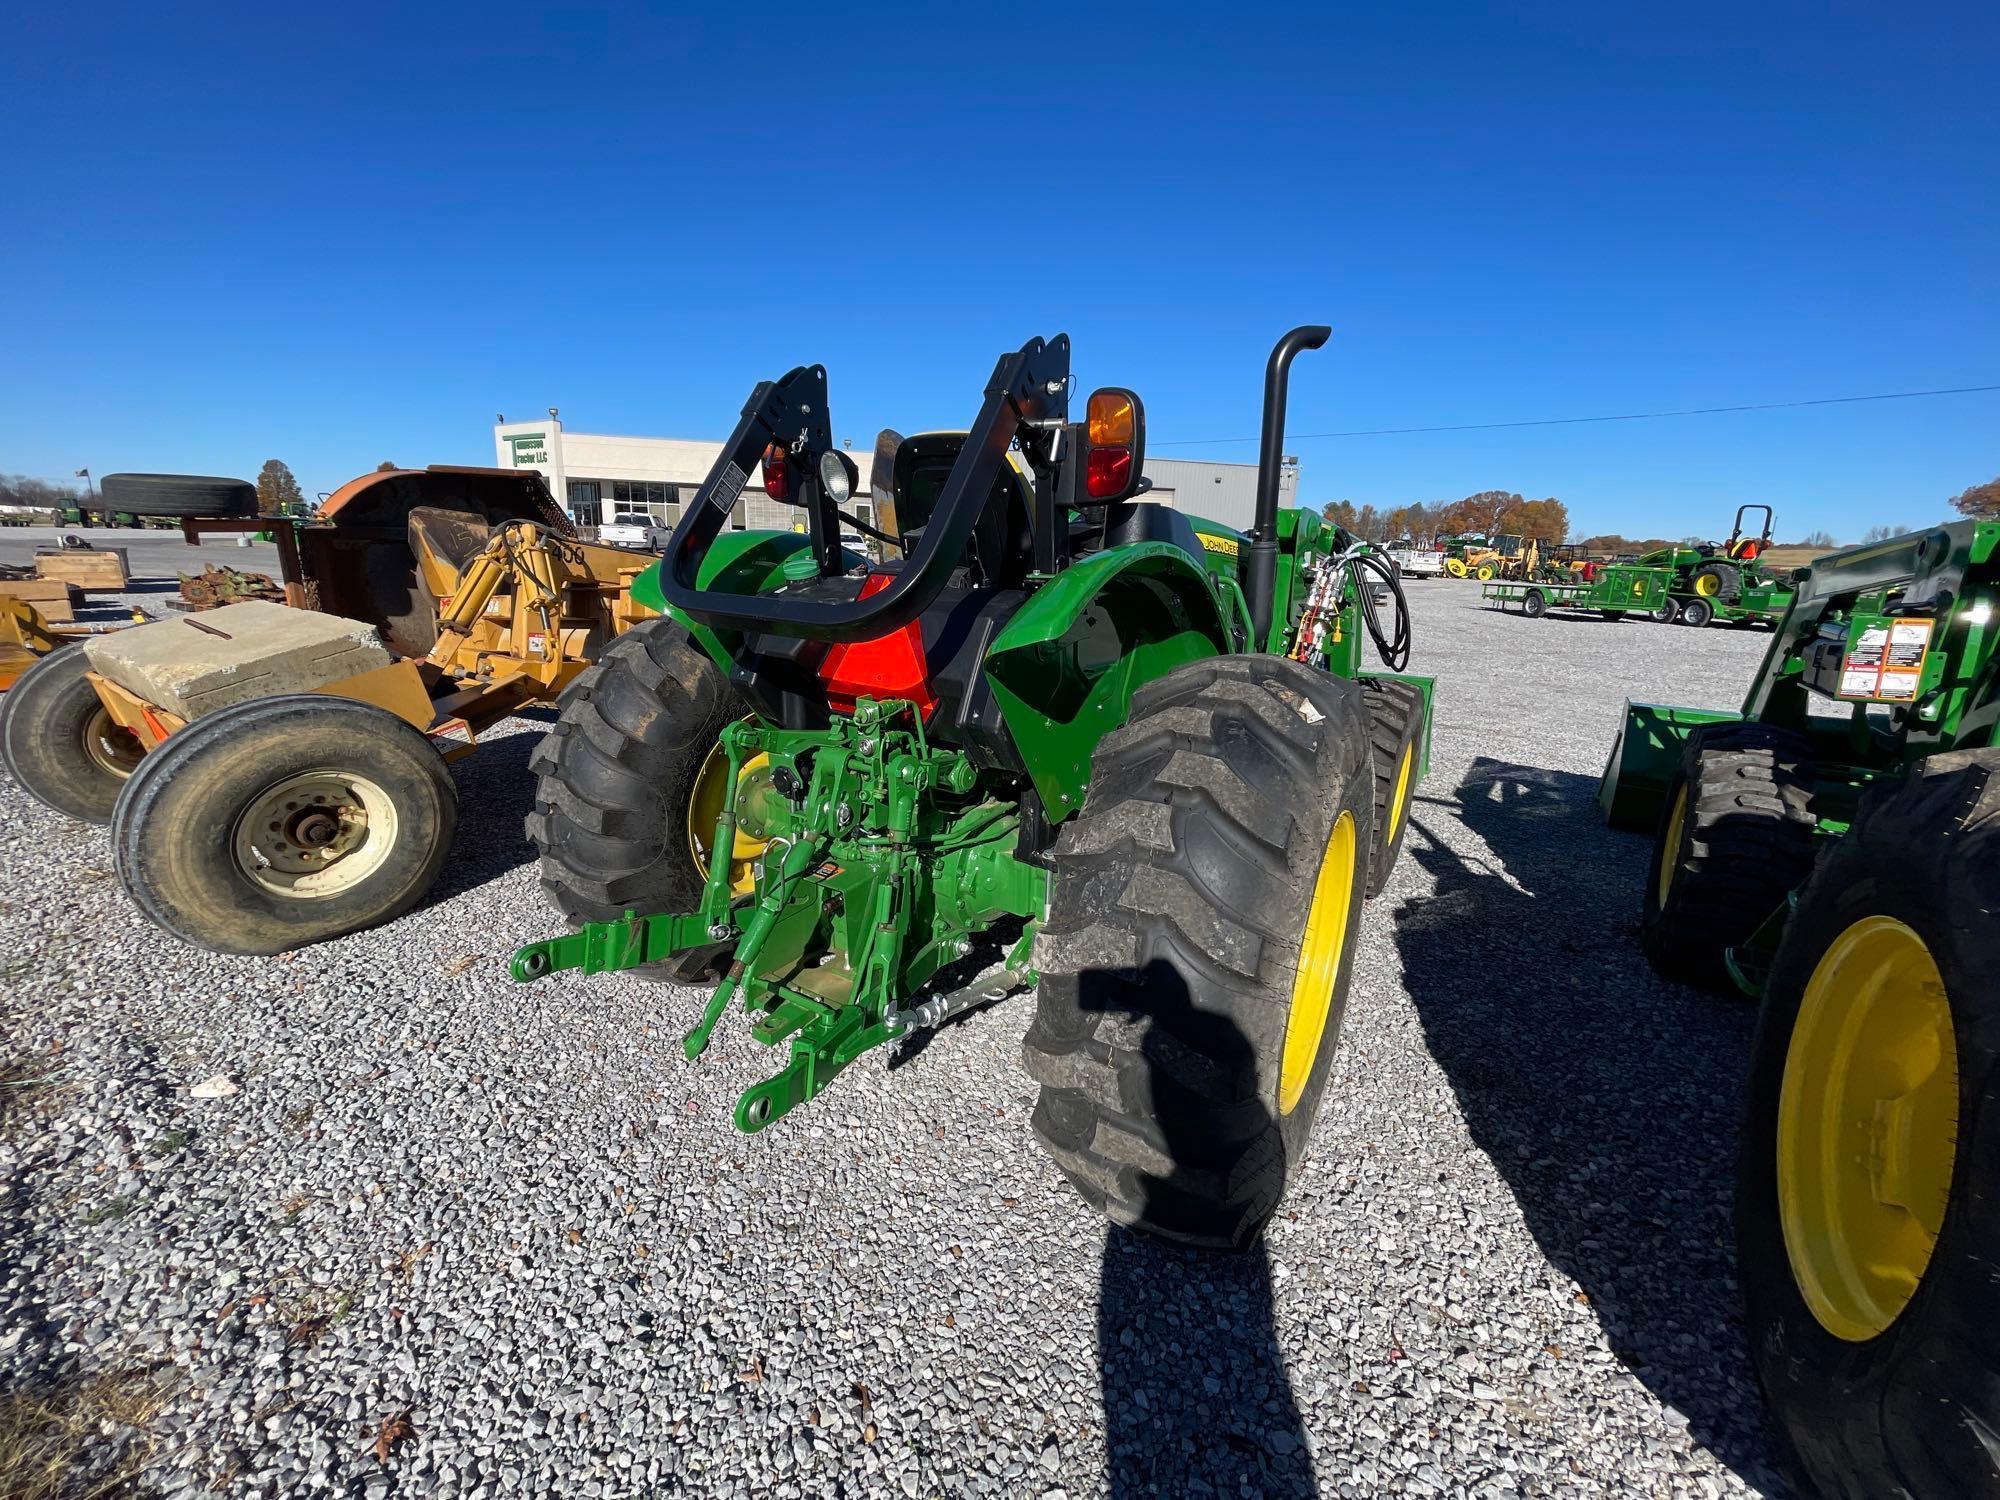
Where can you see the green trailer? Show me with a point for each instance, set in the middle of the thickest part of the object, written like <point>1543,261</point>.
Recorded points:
<point>1831,849</point>
<point>1618,590</point>
<point>1134,755</point>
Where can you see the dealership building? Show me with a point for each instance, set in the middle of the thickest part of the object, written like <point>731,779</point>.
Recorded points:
<point>597,477</point>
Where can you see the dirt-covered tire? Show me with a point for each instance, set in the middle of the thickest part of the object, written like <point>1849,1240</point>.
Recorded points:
<point>177,495</point>
<point>1696,612</point>
<point>1395,721</point>
<point>59,744</point>
<point>1871,1272</point>
<point>284,821</point>
<point>1534,604</point>
<point>616,774</point>
<point>1220,855</point>
<point>1735,835</point>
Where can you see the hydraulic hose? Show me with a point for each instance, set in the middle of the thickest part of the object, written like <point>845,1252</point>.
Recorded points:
<point>1393,648</point>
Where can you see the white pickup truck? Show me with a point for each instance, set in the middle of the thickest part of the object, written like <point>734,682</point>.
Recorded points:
<point>1418,562</point>
<point>625,530</point>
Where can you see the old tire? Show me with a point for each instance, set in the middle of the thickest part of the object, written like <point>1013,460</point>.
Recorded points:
<point>1735,835</point>
<point>59,744</point>
<point>177,495</point>
<point>618,772</point>
<point>1454,567</point>
<point>1696,612</point>
<point>1201,934</point>
<point>1868,1203</point>
<point>1534,604</point>
<point>284,821</point>
<point>1395,720</point>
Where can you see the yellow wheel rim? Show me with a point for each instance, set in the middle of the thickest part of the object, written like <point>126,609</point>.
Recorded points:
<point>1486,572</point>
<point>1707,585</point>
<point>1319,963</point>
<point>705,806</point>
<point>1867,1127</point>
<point>1455,566</point>
<point>1399,798</point>
<point>1670,848</point>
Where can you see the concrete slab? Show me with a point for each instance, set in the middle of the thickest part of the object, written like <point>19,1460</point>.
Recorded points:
<point>197,664</point>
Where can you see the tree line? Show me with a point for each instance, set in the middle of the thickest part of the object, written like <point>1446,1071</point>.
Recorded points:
<point>1488,513</point>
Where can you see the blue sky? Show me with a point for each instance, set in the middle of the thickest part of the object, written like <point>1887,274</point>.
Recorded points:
<point>356,233</point>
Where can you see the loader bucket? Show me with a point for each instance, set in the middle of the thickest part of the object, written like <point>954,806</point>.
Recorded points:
<point>1645,758</point>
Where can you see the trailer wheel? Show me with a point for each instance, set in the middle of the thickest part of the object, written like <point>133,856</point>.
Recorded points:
<point>1614,615</point>
<point>1668,613</point>
<point>1736,836</point>
<point>621,772</point>
<point>1201,936</point>
<point>59,744</point>
<point>1868,1187</point>
<point>1534,604</point>
<point>1697,612</point>
<point>284,821</point>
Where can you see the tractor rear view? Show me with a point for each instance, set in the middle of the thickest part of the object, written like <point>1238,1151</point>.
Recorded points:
<point>1833,850</point>
<point>1131,752</point>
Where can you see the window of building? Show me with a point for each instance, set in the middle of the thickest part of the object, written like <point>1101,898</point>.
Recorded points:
<point>586,502</point>
<point>644,497</point>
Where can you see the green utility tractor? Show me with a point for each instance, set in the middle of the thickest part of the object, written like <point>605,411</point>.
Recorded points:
<point>1131,753</point>
<point>1724,581</point>
<point>1832,850</point>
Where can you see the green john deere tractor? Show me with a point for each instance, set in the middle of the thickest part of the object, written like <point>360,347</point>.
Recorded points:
<point>1724,581</point>
<point>1833,851</point>
<point>1130,751</point>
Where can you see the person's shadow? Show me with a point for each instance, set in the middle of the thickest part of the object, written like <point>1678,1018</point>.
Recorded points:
<point>1197,1397</point>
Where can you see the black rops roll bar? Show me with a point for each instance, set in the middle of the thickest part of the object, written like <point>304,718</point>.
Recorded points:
<point>1260,558</point>
<point>1028,388</point>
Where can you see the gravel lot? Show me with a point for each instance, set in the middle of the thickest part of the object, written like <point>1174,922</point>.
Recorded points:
<point>452,1236</point>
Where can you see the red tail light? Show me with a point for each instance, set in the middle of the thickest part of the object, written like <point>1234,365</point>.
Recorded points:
<point>1109,473</point>
<point>777,474</point>
<point>890,666</point>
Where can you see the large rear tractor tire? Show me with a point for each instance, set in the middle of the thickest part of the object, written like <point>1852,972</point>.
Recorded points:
<point>284,821</point>
<point>58,742</point>
<point>1395,722</point>
<point>1868,1199</point>
<point>177,495</point>
<point>1201,937</point>
<point>1717,580</point>
<point>629,782</point>
<point>1736,835</point>
<point>1454,567</point>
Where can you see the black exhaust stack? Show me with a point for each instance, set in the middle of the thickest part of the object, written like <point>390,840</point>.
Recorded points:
<point>1260,572</point>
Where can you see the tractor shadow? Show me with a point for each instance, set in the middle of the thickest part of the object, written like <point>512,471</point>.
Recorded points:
<point>496,792</point>
<point>1197,1391</point>
<point>1607,1098</point>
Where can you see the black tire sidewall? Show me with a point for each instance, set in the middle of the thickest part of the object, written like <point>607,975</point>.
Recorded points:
<point>1696,613</point>
<point>176,495</point>
<point>1875,1417</point>
<point>173,829</point>
<point>1535,604</point>
<point>43,718</point>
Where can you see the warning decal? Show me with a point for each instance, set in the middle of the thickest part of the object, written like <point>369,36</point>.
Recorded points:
<point>1885,661</point>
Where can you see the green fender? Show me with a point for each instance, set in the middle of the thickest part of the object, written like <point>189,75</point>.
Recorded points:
<point>1064,669</point>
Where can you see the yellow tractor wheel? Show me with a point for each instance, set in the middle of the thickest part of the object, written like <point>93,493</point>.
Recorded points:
<point>1455,566</point>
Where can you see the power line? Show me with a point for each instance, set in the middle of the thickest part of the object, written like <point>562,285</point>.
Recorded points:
<point>1630,416</point>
